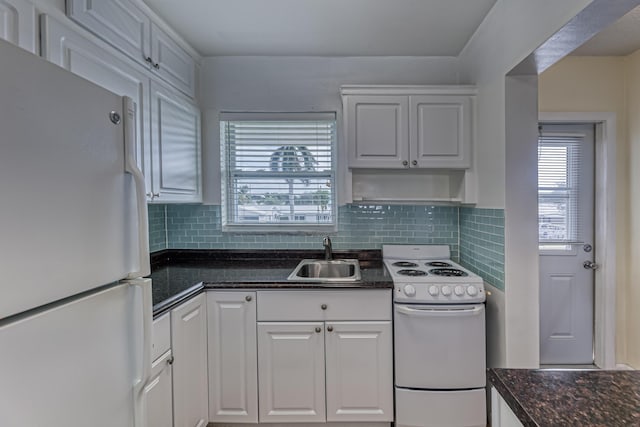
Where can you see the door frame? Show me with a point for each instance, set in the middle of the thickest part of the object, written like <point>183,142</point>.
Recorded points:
<point>604,344</point>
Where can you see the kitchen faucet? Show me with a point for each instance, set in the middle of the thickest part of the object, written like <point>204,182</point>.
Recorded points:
<point>328,252</point>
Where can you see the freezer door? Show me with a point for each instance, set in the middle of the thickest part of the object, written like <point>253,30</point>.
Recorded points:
<point>69,217</point>
<point>75,365</point>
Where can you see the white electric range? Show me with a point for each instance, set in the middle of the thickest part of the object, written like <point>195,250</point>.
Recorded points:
<point>439,338</point>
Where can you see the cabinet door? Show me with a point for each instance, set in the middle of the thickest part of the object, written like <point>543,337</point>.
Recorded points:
<point>119,22</point>
<point>175,139</point>
<point>359,371</point>
<point>291,372</point>
<point>189,346</point>
<point>158,393</point>
<point>18,23</point>
<point>377,131</point>
<point>172,63</point>
<point>100,64</point>
<point>233,376</point>
<point>441,131</point>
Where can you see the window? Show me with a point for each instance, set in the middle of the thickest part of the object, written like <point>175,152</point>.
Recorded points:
<point>559,164</point>
<point>278,171</point>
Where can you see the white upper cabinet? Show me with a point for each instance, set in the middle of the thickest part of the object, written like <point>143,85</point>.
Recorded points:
<point>18,24</point>
<point>119,22</point>
<point>398,127</point>
<point>102,65</point>
<point>128,28</point>
<point>171,62</point>
<point>377,131</point>
<point>175,148</point>
<point>440,132</point>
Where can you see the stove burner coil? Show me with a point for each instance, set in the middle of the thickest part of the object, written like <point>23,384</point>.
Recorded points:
<point>412,272</point>
<point>404,264</point>
<point>438,264</point>
<point>448,272</point>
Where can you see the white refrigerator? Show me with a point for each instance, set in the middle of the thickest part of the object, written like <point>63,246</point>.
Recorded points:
<point>75,313</point>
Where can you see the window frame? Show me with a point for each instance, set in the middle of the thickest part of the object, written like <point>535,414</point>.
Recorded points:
<point>227,176</point>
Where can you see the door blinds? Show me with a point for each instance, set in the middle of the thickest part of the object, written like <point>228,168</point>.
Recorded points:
<point>560,160</point>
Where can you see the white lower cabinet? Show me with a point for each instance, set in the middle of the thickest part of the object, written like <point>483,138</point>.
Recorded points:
<point>233,355</point>
<point>158,394</point>
<point>359,356</point>
<point>189,346</point>
<point>291,372</point>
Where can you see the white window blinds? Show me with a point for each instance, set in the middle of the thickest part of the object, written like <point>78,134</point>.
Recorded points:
<point>560,160</point>
<point>279,170</point>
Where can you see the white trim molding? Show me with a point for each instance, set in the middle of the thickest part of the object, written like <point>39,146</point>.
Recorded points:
<point>605,229</point>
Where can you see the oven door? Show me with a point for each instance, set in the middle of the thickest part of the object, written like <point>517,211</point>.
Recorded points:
<point>439,347</point>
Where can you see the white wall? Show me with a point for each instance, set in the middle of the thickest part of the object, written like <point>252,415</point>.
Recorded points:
<point>510,33</point>
<point>297,84</point>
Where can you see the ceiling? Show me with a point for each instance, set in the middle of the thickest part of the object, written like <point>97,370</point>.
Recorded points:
<point>324,27</point>
<point>619,39</point>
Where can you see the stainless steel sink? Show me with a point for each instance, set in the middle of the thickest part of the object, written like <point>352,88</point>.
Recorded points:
<point>317,270</point>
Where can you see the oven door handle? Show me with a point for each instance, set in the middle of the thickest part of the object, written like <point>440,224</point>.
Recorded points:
<point>439,312</point>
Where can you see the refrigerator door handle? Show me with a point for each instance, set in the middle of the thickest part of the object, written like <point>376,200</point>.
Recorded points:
<point>141,381</point>
<point>131,167</point>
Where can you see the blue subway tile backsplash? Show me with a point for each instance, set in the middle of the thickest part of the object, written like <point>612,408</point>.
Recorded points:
<point>157,228</point>
<point>475,236</point>
<point>482,243</point>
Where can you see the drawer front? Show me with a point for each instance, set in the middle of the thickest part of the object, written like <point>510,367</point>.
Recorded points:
<point>321,305</point>
<point>161,336</point>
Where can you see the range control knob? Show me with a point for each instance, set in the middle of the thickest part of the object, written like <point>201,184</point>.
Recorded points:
<point>472,291</point>
<point>458,290</point>
<point>433,290</point>
<point>446,290</point>
<point>409,290</point>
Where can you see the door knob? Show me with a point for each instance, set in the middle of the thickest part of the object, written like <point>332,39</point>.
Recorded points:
<point>590,265</point>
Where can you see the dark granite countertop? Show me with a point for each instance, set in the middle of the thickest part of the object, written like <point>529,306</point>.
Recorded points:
<point>180,274</point>
<point>570,397</point>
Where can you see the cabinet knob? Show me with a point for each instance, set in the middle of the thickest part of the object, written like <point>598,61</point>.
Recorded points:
<point>414,163</point>
<point>170,361</point>
<point>330,328</point>
<point>323,306</point>
<point>248,298</point>
<point>405,163</point>
<point>148,60</point>
<point>156,66</point>
<point>318,330</point>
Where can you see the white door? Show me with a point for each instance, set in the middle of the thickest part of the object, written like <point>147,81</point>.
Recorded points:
<point>189,346</point>
<point>291,372</point>
<point>171,62</point>
<point>233,363</point>
<point>566,230</point>
<point>359,365</point>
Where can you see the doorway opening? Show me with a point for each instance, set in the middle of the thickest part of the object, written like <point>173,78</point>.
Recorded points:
<point>556,306</point>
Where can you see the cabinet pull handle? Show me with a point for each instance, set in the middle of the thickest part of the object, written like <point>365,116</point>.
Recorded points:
<point>323,306</point>
<point>405,163</point>
<point>330,328</point>
<point>248,298</point>
<point>414,163</point>
<point>318,330</point>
